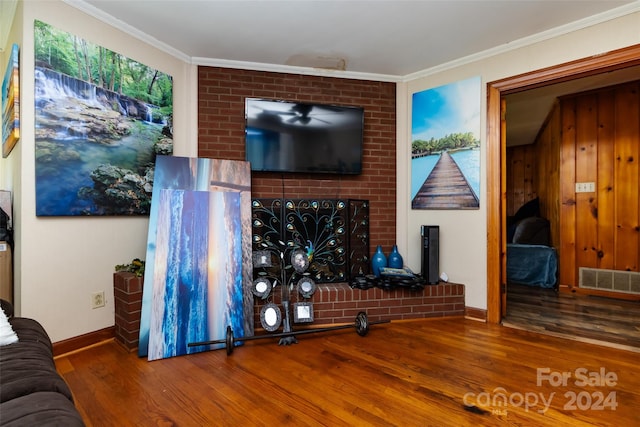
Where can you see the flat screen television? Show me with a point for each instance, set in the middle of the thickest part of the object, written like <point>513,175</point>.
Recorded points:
<point>298,137</point>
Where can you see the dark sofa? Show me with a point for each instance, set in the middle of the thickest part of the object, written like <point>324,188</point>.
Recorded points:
<point>32,393</point>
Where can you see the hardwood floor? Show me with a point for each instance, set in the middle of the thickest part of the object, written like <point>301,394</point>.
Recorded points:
<point>441,372</point>
<point>604,321</point>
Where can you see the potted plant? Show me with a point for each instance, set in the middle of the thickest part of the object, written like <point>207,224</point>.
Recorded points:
<point>136,267</point>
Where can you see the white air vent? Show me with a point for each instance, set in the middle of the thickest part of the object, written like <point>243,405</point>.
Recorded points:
<point>627,282</point>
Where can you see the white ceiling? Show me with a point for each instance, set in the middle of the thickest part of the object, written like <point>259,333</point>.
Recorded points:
<point>381,40</point>
<point>385,38</point>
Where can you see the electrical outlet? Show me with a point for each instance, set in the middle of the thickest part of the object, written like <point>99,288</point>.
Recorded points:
<point>585,187</point>
<point>97,299</point>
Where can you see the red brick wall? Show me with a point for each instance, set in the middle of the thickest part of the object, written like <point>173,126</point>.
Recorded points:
<point>221,95</point>
<point>338,303</point>
<point>332,303</point>
<point>127,293</point>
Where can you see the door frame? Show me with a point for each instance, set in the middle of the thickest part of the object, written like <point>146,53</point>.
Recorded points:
<point>496,154</point>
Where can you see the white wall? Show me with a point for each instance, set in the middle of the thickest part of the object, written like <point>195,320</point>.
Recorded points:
<point>60,261</point>
<point>463,241</point>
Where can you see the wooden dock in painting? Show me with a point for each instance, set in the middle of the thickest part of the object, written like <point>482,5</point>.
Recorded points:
<point>445,188</point>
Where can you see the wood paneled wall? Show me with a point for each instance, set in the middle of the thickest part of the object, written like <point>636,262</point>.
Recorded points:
<point>533,170</point>
<point>521,168</point>
<point>600,144</point>
<point>588,137</point>
<point>547,176</point>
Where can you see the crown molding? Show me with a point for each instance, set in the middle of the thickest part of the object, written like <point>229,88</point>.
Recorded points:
<point>292,69</point>
<point>214,62</point>
<point>123,26</point>
<point>528,41</point>
<point>257,66</point>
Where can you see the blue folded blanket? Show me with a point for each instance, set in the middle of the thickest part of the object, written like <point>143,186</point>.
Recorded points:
<point>534,265</point>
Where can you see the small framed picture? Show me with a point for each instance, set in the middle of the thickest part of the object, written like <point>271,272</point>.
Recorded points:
<point>261,259</point>
<point>303,312</point>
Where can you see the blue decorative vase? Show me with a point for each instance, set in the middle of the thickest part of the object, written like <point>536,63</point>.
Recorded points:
<point>395,259</point>
<point>378,261</point>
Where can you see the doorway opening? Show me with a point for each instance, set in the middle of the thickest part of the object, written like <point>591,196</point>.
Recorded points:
<point>496,155</point>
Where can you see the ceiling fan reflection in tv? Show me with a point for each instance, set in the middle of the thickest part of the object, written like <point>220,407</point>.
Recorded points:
<point>300,137</point>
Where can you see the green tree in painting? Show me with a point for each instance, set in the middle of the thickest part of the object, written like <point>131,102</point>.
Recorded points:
<point>454,141</point>
<point>104,117</point>
<point>75,57</point>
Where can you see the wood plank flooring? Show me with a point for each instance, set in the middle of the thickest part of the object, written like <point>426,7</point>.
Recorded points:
<point>439,372</point>
<point>604,321</point>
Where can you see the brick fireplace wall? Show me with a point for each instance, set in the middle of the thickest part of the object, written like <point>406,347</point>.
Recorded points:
<point>221,122</point>
<point>339,303</point>
<point>333,303</point>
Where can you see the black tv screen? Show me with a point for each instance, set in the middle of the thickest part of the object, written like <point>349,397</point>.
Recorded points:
<point>297,137</point>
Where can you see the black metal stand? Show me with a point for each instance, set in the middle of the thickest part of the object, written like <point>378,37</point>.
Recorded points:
<point>361,325</point>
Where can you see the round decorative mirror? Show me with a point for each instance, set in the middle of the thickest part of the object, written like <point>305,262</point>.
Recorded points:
<point>270,317</point>
<point>261,287</point>
<point>306,287</point>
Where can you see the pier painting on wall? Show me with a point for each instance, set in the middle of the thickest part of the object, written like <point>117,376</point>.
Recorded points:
<point>445,146</point>
<point>11,103</point>
<point>100,120</point>
<point>198,256</point>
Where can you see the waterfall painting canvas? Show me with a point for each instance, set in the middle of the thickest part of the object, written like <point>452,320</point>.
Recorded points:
<point>176,259</point>
<point>100,120</point>
<point>197,287</point>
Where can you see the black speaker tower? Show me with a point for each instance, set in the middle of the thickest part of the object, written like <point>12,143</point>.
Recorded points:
<point>430,249</point>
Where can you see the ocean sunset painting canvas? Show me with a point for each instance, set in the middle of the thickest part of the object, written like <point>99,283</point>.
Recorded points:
<point>197,289</point>
<point>198,255</point>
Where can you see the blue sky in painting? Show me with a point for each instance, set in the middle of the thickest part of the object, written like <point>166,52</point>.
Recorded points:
<point>452,108</point>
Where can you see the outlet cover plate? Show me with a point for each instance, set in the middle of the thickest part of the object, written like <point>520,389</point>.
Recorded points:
<point>97,299</point>
<point>585,187</point>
